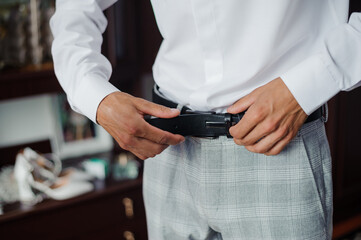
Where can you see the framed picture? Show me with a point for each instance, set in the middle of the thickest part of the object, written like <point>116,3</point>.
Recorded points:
<point>75,134</point>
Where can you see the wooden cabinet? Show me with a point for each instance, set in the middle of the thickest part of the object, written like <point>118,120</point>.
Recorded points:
<point>24,82</point>
<point>120,46</point>
<point>113,211</point>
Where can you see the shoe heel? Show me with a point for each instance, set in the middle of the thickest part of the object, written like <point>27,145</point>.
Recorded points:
<point>22,170</point>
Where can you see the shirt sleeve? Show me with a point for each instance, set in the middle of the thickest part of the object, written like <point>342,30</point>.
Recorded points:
<point>83,72</point>
<point>335,68</point>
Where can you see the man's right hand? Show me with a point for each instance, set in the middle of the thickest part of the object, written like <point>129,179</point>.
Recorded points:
<point>122,115</point>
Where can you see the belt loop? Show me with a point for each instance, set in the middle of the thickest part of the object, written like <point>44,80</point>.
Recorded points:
<point>228,121</point>
<point>182,108</point>
<point>324,117</point>
<point>156,90</point>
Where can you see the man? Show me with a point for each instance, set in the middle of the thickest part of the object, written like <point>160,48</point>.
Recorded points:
<point>277,60</point>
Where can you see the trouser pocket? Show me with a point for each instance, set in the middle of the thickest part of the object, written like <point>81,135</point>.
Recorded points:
<point>317,166</point>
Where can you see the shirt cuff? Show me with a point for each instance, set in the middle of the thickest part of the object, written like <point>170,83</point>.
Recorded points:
<point>90,93</point>
<point>311,83</point>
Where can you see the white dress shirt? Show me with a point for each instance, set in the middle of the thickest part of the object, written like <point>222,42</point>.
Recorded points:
<point>216,51</point>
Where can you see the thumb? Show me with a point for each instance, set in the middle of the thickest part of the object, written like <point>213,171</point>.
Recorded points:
<point>241,105</point>
<point>157,110</point>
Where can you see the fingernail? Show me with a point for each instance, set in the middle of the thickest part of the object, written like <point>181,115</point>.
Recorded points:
<point>174,110</point>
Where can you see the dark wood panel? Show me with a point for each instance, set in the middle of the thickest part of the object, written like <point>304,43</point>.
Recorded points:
<point>121,46</point>
<point>355,6</point>
<point>347,157</point>
<point>121,43</point>
<point>99,213</point>
<point>350,137</point>
<point>8,154</point>
<point>149,35</point>
<point>344,130</point>
<point>17,83</point>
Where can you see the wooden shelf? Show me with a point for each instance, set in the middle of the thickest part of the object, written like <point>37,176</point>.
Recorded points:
<point>102,189</point>
<point>100,214</point>
<point>28,81</point>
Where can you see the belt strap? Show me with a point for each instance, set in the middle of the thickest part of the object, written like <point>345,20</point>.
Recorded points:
<point>198,124</point>
<point>159,99</point>
<point>202,124</point>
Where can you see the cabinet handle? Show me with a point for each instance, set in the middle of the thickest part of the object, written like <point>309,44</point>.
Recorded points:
<point>128,235</point>
<point>129,210</point>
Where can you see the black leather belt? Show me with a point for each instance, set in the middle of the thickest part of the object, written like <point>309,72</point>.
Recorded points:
<point>202,124</point>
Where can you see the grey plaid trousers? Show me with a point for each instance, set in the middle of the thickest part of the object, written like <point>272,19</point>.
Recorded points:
<point>215,189</point>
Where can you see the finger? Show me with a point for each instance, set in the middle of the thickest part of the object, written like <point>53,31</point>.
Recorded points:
<point>138,145</point>
<point>138,127</point>
<point>241,105</point>
<point>131,143</point>
<point>146,148</point>
<point>277,148</point>
<point>292,132</point>
<point>263,129</point>
<point>141,157</point>
<point>156,109</point>
<point>248,122</point>
<point>160,136</point>
<point>123,146</point>
<point>265,144</point>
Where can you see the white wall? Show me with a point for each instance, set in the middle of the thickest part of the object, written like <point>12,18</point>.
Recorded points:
<point>32,119</point>
<point>26,120</point>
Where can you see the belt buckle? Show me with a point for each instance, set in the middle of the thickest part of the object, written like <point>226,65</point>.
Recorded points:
<point>226,123</point>
<point>189,111</point>
<point>223,121</point>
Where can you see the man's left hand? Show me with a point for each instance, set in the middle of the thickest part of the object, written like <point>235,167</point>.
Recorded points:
<point>272,119</point>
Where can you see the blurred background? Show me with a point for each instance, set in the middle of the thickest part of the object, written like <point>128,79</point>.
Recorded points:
<point>34,114</point>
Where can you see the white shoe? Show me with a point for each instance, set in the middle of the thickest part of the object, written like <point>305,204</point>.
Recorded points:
<point>21,171</point>
<point>75,174</point>
<point>32,176</point>
<point>62,190</point>
<point>50,166</point>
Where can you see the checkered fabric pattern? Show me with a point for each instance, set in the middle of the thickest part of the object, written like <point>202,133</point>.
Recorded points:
<point>215,189</point>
